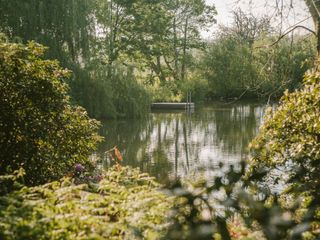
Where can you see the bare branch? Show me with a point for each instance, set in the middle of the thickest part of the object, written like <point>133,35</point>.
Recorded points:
<point>315,7</point>
<point>286,33</point>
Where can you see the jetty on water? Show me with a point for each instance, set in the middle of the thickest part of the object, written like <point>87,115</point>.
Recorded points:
<point>172,106</point>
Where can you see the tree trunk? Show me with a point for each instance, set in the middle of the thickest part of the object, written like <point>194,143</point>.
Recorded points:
<point>318,37</point>
<point>110,60</point>
<point>314,9</point>
<point>175,46</point>
<point>183,67</point>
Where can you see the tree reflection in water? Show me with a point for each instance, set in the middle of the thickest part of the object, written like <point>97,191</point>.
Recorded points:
<point>173,144</point>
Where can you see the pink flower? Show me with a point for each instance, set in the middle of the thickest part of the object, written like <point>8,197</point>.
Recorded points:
<point>79,168</point>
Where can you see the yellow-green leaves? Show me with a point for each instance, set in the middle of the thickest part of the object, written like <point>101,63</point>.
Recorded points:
<point>124,205</point>
<point>39,128</point>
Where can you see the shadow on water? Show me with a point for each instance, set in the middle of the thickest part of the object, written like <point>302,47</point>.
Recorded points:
<point>172,144</point>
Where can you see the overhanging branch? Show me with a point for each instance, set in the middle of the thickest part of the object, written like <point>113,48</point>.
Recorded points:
<point>286,33</point>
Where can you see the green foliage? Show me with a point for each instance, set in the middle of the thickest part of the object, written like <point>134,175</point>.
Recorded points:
<point>110,96</point>
<point>39,129</point>
<point>130,98</point>
<point>160,39</point>
<point>207,209</point>
<point>228,67</point>
<point>289,139</point>
<point>240,64</point>
<point>225,208</point>
<point>96,38</point>
<point>10,182</point>
<point>61,24</point>
<point>68,28</point>
<point>283,66</point>
<point>197,86</point>
<point>126,204</point>
<point>288,147</point>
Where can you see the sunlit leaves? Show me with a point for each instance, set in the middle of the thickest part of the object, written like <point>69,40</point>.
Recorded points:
<point>126,204</point>
<point>39,129</point>
<point>289,143</point>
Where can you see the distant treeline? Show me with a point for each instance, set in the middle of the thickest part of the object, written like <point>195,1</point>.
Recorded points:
<point>125,54</point>
<point>247,60</point>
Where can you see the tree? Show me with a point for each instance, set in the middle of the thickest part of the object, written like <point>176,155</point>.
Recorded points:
<point>40,130</point>
<point>65,26</point>
<point>73,32</point>
<point>236,66</point>
<point>189,18</point>
<point>159,38</point>
<point>247,27</point>
<point>228,68</point>
<point>314,9</point>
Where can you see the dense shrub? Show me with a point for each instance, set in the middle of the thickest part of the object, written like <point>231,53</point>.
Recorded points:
<point>286,149</point>
<point>224,209</point>
<point>227,65</point>
<point>39,129</point>
<point>105,95</point>
<point>196,85</point>
<point>126,204</point>
<point>288,145</point>
<point>233,68</point>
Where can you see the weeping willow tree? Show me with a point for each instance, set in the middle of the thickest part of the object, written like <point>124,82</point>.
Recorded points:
<point>71,31</point>
<point>63,25</point>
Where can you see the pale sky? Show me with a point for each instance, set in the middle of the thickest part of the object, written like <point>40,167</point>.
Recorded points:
<point>292,16</point>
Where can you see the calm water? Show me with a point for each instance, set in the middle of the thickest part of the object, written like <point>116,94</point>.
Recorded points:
<point>171,144</point>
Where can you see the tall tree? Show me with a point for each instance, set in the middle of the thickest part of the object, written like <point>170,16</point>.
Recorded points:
<point>63,25</point>
<point>314,9</point>
<point>194,16</point>
<point>72,30</point>
<point>246,27</point>
<point>158,35</point>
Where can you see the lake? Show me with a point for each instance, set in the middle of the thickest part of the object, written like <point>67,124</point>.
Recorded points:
<point>178,143</point>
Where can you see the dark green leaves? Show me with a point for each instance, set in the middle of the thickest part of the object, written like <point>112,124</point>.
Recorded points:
<point>40,130</point>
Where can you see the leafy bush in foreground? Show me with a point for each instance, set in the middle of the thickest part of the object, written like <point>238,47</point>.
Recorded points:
<point>126,204</point>
<point>287,149</point>
<point>39,129</point>
<point>226,209</point>
<point>289,143</point>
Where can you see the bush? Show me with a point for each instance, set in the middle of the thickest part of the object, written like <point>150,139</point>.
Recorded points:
<point>228,67</point>
<point>289,139</point>
<point>233,68</point>
<point>125,204</point>
<point>287,149</point>
<point>105,96</point>
<point>197,86</point>
<point>288,145</point>
<point>39,129</point>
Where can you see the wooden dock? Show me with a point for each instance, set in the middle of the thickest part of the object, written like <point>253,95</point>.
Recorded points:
<point>173,106</point>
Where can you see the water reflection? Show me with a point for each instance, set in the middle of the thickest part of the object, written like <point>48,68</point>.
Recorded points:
<point>172,144</point>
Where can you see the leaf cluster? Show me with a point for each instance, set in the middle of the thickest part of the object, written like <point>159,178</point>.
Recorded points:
<point>289,143</point>
<point>39,129</point>
<point>125,204</point>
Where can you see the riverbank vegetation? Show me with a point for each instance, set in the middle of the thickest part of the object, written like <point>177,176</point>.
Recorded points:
<point>119,66</point>
<point>120,204</point>
<point>40,129</point>
<point>276,191</point>
<point>123,55</point>
<point>241,56</point>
